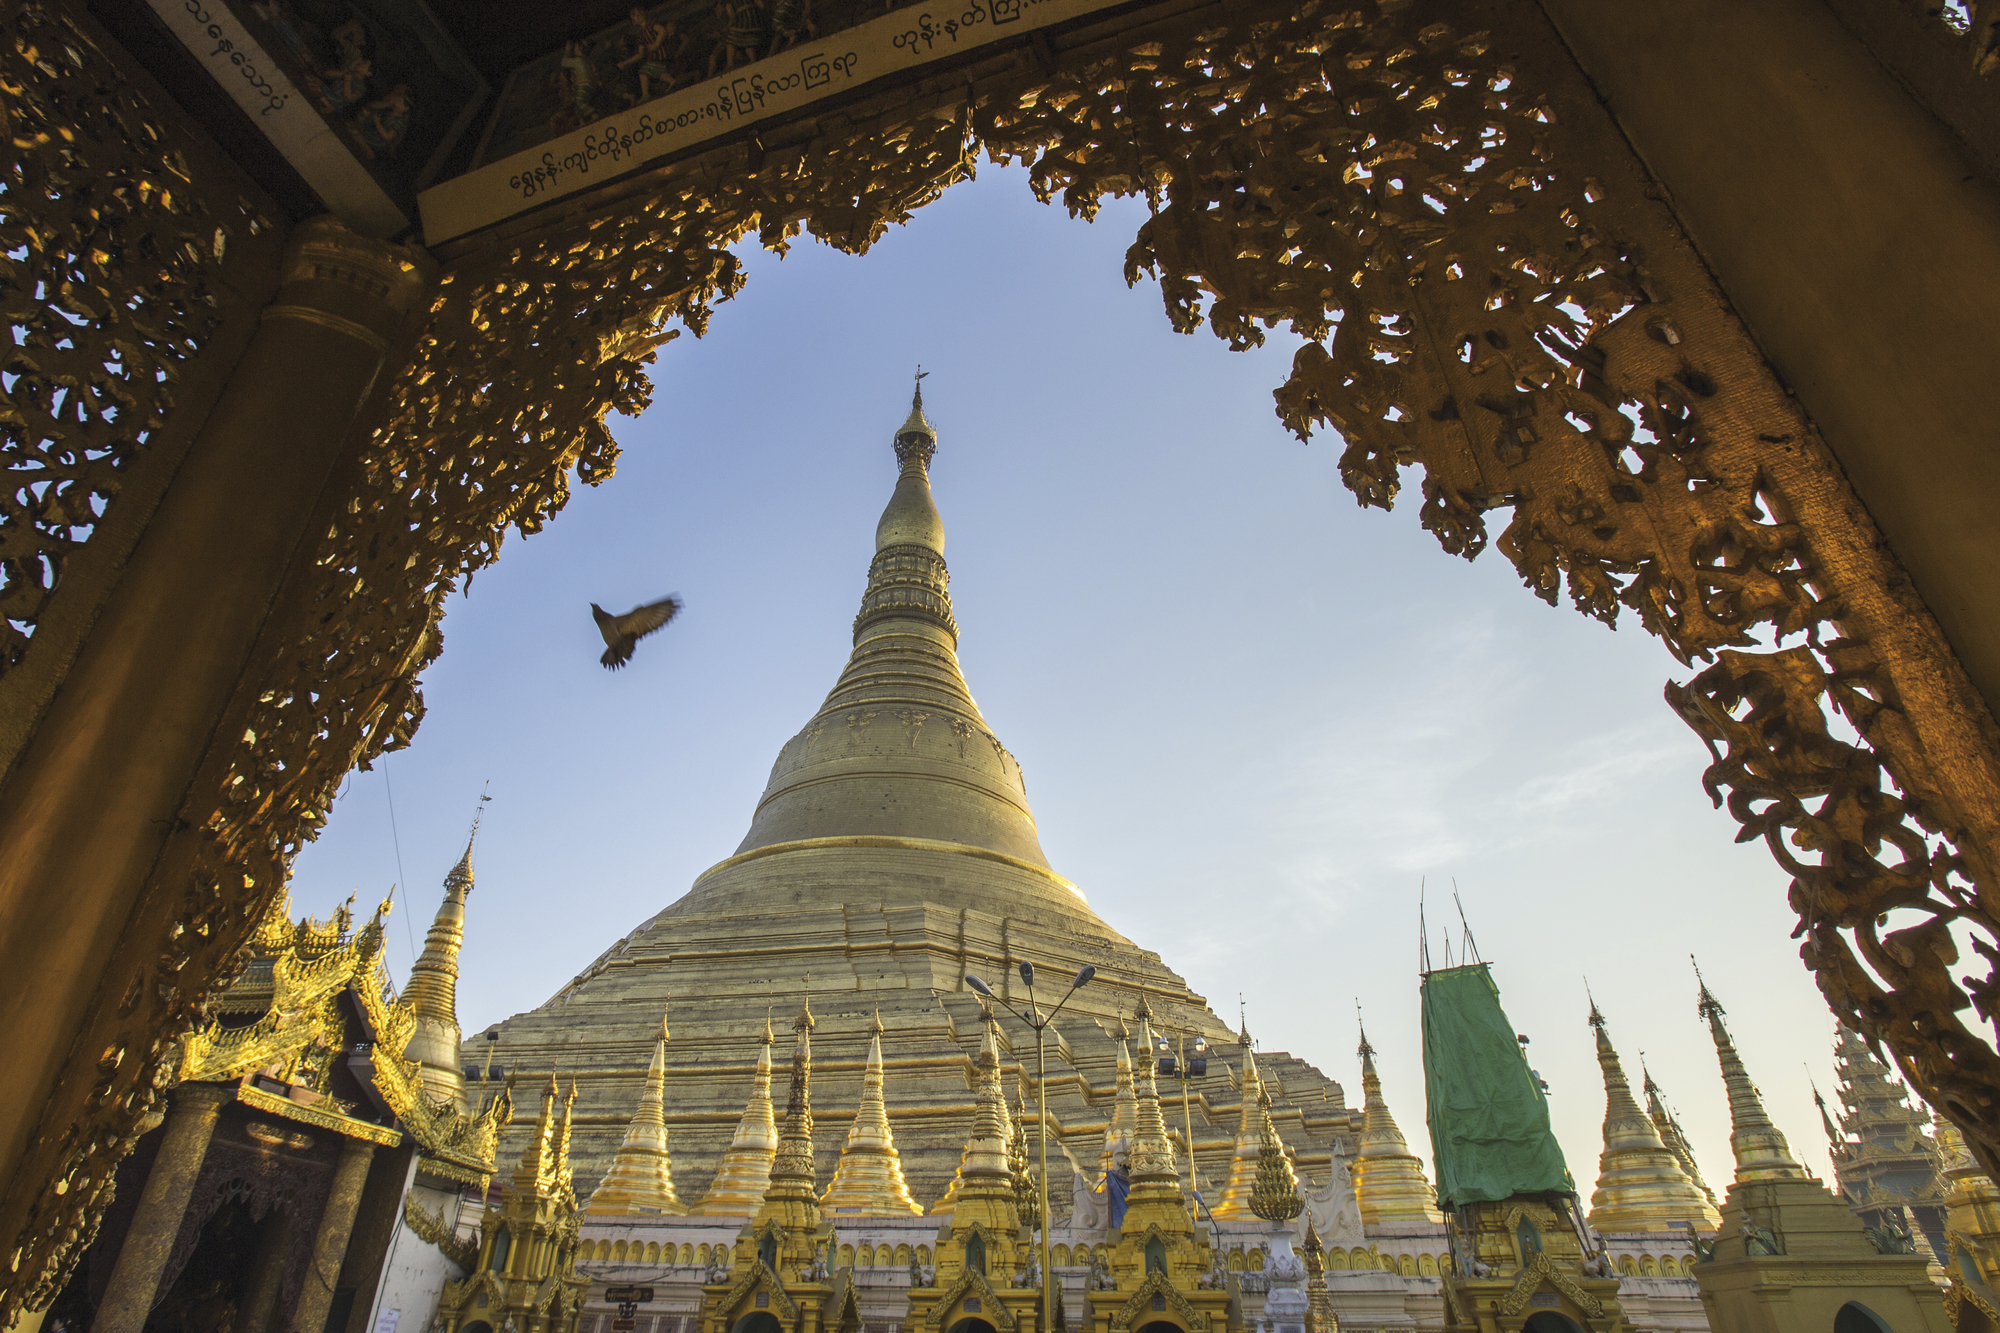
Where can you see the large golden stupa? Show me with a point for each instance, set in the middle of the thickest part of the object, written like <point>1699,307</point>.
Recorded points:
<point>892,852</point>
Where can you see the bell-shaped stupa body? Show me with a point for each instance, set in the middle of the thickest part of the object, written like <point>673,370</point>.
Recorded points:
<point>892,850</point>
<point>1640,1184</point>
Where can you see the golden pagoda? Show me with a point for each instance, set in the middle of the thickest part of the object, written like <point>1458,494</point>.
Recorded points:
<point>1672,1136</point>
<point>1640,1185</point>
<point>525,1274</point>
<point>984,1253</point>
<point>641,1178</point>
<point>1758,1145</point>
<point>1389,1183</point>
<point>1242,1182</point>
<point>745,1173</point>
<point>892,844</point>
<point>432,992</point>
<point>868,1181</point>
<point>1791,1257</point>
<point>1161,1264</point>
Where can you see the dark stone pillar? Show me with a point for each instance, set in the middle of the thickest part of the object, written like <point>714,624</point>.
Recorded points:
<point>135,1278</point>
<point>343,1198</point>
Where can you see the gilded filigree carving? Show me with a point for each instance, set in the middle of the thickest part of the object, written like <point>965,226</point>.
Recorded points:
<point>109,256</point>
<point>432,1229</point>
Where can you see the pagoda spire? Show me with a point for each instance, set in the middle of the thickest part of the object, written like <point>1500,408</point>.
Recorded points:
<point>745,1173</point>
<point>1673,1137</point>
<point>869,1177</point>
<point>793,1174</point>
<point>1151,1160</point>
<point>974,1157</point>
<point>901,720</point>
<point>1242,1183</point>
<point>1389,1183</point>
<point>1640,1184</point>
<point>1760,1148</point>
<point>432,991</point>
<point>641,1178</point>
<point>537,1170</point>
<point>1124,1109</point>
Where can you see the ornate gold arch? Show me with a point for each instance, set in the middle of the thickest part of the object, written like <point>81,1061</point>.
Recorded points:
<point>1492,293</point>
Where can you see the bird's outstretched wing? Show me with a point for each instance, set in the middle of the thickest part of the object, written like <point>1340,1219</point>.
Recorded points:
<point>623,633</point>
<point>643,620</point>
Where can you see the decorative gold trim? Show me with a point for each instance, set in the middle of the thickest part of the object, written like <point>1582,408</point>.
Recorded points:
<point>755,1276</point>
<point>312,1115</point>
<point>326,320</point>
<point>1539,1270</point>
<point>893,844</point>
<point>970,1283</point>
<point>1156,1284</point>
<point>463,1252</point>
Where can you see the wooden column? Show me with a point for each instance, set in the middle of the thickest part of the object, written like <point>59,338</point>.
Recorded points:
<point>1860,242</point>
<point>330,1243</point>
<point>135,1278</point>
<point>96,791</point>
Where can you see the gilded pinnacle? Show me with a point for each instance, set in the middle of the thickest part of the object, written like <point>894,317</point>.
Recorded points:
<point>1641,1186</point>
<point>1760,1148</point>
<point>869,1176</point>
<point>1237,1193</point>
<point>1151,1160</point>
<point>1676,1143</point>
<point>739,1184</point>
<point>1389,1182</point>
<point>640,1179</point>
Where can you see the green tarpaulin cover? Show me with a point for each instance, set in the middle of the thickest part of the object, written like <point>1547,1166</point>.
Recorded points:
<point>1490,1135</point>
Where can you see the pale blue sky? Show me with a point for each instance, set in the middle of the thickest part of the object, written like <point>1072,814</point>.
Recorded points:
<point>1252,716</point>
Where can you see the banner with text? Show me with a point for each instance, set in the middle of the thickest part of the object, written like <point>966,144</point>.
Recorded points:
<point>775,86</point>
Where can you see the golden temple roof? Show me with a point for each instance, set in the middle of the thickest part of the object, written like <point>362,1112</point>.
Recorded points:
<point>1760,1148</point>
<point>794,1187</point>
<point>1276,1197</point>
<point>641,1178</point>
<point>869,1178</point>
<point>1640,1184</point>
<point>1389,1181</point>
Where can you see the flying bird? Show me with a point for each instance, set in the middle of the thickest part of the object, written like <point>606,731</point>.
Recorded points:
<point>622,633</point>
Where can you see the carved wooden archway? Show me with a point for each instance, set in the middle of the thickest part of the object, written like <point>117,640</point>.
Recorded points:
<point>1430,193</point>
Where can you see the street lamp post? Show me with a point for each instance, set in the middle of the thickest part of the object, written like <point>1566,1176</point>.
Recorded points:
<point>1035,1019</point>
<point>1178,1063</point>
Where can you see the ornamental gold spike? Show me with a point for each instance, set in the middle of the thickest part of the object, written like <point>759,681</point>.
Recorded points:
<point>1640,1184</point>
<point>869,1177</point>
<point>1389,1182</point>
<point>745,1173</point>
<point>1760,1147</point>
<point>1242,1184</point>
<point>641,1178</point>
